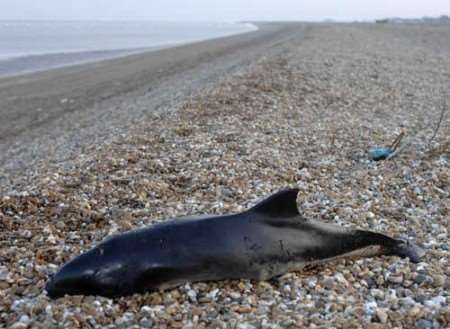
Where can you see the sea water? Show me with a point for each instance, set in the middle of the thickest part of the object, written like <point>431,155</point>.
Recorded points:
<point>28,45</point>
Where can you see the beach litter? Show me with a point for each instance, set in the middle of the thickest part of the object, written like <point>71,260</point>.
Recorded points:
<point>380,153</point>
<point>383,153</point>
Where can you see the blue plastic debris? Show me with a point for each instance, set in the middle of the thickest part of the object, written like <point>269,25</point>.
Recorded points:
<point>380,153</point>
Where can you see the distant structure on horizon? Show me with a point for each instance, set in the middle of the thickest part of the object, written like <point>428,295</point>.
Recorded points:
<point>443,19</point>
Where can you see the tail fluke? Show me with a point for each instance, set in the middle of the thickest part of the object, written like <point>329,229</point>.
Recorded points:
<point>406,249</point>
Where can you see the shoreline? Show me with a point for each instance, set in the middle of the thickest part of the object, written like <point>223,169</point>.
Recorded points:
<point>33,63</point>
<point>23,65</point>
<point>49,116</point>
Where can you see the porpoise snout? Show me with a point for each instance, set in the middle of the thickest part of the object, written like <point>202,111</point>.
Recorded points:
<point>52,288</point>
<point>74,278</point>
<point>60,285</point>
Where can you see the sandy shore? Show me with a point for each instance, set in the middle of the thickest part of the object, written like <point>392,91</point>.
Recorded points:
<point>300,107</point>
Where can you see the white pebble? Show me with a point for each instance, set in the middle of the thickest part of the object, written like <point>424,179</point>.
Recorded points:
<point>370,307</point>
<point>192,295</point>
<point>437,301</point>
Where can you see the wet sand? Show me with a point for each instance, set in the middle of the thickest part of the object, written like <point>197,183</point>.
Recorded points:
<point>38,63</point>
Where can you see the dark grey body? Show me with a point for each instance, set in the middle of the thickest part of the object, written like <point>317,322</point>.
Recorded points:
<point>268,240</point>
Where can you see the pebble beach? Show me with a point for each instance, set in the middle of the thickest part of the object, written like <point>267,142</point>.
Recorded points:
<point>302,115</point>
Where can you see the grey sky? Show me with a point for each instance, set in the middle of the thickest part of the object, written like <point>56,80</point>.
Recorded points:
<point>220,10</point>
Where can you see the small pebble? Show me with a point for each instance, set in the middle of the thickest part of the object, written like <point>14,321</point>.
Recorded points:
<point>424,324</point>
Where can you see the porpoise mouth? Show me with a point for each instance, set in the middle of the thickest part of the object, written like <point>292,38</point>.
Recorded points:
<point>51,289</point>
<point>62,284</point>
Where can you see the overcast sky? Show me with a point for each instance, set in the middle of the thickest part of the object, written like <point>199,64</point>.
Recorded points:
<point>220,10</point>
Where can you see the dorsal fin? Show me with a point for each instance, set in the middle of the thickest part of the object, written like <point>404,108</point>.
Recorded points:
<point>280,204</point>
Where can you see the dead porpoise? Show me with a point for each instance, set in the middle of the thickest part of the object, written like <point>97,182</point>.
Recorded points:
<point>265,241</point>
